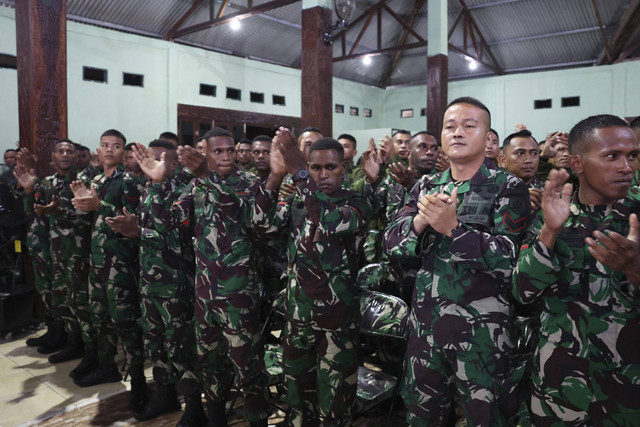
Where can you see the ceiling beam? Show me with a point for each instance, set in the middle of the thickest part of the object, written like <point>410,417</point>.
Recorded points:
<point>366,14</point>
<point>483,42</point>
<point>378,52</point>
<point>629,25</point>
<point>245,13</point>
<point>544,36</point>
<point>386,78</point>
<point>603,36</point>
<point>194,6</point>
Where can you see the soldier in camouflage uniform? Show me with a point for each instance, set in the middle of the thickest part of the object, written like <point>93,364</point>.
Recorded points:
<point>37,241</point>
<point>465,226</point>
<point>115,304</point>
<point>320,340</point>
<point>585,268</point>
<point>69,237</point>
<point>352,172</point>
<point>217,206</point>
<point>167,296</point>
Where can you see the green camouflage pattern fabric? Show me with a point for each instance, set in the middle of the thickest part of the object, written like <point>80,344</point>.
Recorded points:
<point>382,314</point>
<point>587,361</point>
<point>113,286</point>
<point>354,177</point>
<point>320,338</point>
<point>226,307</point>
<point>460,323</point>
<point>90,172</point>
<point>70,243</point>
<point>167,268</point>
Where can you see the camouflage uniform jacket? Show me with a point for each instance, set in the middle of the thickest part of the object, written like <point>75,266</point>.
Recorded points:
<point>462,292</point>
<point>321,289</point>
<point>217,210</point>
<point>590,310</point>
<point>116,192</point>
<point>166,253</point>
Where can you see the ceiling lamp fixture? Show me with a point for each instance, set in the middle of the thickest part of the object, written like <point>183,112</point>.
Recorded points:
<point>235,24</point>
<point>344,9</point>
<point>473,65</point>
<point>366,60</point>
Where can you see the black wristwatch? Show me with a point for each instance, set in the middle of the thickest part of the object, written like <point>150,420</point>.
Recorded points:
<point>300,175</point>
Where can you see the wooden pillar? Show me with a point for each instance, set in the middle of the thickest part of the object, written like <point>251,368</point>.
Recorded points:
<point>437,65</point>
<point>41,39</point>
<point>317,71</point>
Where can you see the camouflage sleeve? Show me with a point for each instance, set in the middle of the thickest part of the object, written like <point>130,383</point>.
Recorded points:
<point>268,215</point>
<point>332,220</point>
<point>498,249</point>
<point>166,215</point>
<point>376,195</point>
<point>236,206</point>
<point>538,268</point>
<point>130,191</point>
<point>400,239</point>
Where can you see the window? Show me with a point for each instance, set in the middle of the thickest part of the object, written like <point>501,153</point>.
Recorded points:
<point>407,113</point>
<point>339,108</point>
<point>208,90</point>
<point>278,100</point>
<point>94,74</point>
<point>367,112</point>
<point>129,79</point>
<point>539,104</point>
<point>354,111</point>
<point>235,94</point>
<point>256,97</point>
<point>423,112</point>
<point>570,101</point>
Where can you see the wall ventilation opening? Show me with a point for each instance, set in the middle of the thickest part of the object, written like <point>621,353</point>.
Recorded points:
<point>207,90</point>
<point>129,79</point>
<point>235,94</point>
<point>278,100</point>
<point>91,74</point>
<point>570,101</point>
<point>256,97</point>
<point>539,104</point>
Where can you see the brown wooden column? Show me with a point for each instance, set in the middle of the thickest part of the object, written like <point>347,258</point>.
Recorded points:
<point>437,92</point>
<point>317,71</point>
<point>41,39</point>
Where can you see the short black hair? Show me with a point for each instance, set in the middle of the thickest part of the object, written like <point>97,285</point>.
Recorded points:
<point>67,140</point>
<point>495,132</point>
<point>348,137</point>
<point>520,134</point>
<point>128,146</point>
<point>311,129</point>
<point>215,132</point>
<point>426,132</point>
<point>470,100</point>
<point>264,138</point>
<point>635,123</point>
<point>585,128</point>
<point>169,136</point>
<point>114,132</point>
<point>327,144</point>
<point>80,147</point>
<point>9,150</point>
<point>163,143</point>
<point>244,141</point>
<point>402,131</point>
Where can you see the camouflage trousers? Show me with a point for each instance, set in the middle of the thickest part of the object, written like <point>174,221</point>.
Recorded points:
<point>169,338</point>
<point>40,252</point>
<point>228,333</point>
<point>571,390</point>
<point>70,284</point>
<point>115,307</point>
<point>433,376</point>
<point>321,374</point>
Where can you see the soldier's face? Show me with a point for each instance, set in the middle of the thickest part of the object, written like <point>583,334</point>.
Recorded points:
<point>221,154</point>
<point>464,133</point>
<point>607,165</point>
<point>305,142</point>
<point>11,158</point>
<point>170,159</point>
<point>424,153</point>
<point>521,158</point>
<point>244,154</point>
<point>83,158</point>
<point>492,149</point>
<point>401,144</point>
<point>63,156</point>
<point>349,149</point>
<point>130,163</point>
<point>326,169</point>
<point>260,153</point>
<point>201,146</point>
<point>561,160</point>
<point>111,151</point>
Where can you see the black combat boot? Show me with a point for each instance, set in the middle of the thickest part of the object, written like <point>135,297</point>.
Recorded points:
<point>38,341</point>
<point>194,415</point>
<point>56,340</point>
<point>163,401</point>
<point>73,349</point>
<point>104,373</point>
<point>88,363</point>
<point>216,414</point>
<point>138,396</point>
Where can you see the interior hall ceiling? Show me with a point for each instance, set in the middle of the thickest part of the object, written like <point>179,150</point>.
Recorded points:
<point>501,36</point>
